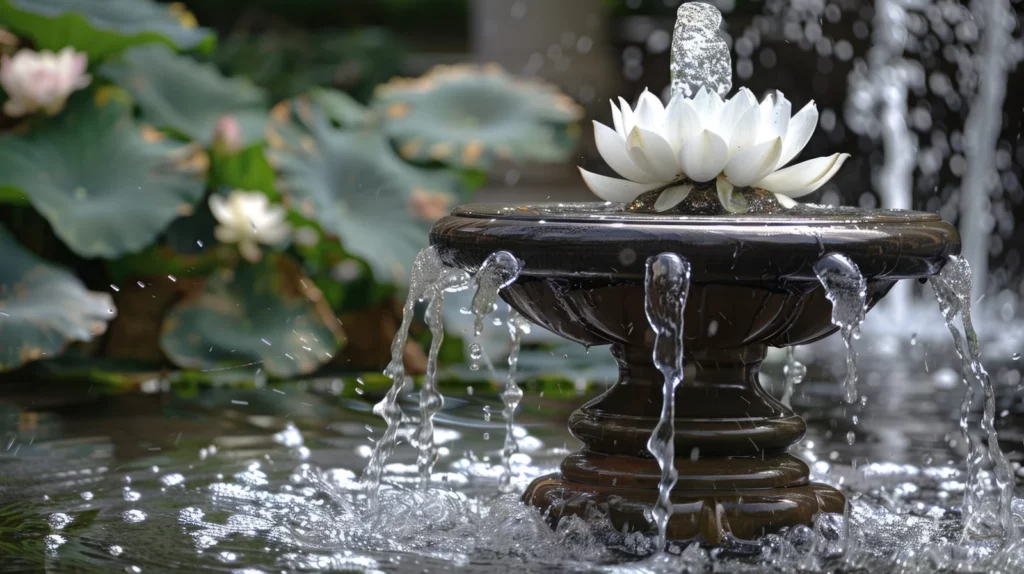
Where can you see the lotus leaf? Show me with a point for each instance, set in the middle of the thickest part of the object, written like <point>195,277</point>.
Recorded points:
<point>467,116</point>
<point>43,308</point>
<point>355,186</point>
<point>264,315</point>
<point>341,107</point>
<point>106,184</point>
<point>177,93</point>
<point>101,27</point>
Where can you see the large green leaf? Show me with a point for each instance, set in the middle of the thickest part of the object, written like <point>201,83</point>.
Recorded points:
<point>467,116</point>
<point>178,93</point>
<point>264,315</point>
<point>101,27</point>
<point>358,189</point>
<point>43,308</point>
<point>245,169</point>
<point>105,184</point>
<point>341,107</point>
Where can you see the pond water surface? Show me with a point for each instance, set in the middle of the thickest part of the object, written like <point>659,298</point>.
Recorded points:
<point>265,479</point>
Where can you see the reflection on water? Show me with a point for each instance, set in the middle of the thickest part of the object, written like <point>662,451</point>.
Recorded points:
<point>265,479</point>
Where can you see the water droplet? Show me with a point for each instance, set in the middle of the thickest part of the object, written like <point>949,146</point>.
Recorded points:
<point>54,541</point>
<point>851,437</point>
<point>1016,357</point>
<point>133,516</point>
<point>59,520</point>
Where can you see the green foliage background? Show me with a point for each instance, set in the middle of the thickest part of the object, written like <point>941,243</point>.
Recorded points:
<point>108,199</point>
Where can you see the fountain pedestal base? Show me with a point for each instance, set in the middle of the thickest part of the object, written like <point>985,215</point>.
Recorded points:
<point>736,482</point>
<point>712,517</point>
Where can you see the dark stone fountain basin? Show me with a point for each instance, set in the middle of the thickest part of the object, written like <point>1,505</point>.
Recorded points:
<point>752,285</point>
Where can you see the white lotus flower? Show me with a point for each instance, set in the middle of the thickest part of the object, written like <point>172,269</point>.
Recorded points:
<point>737,143</point>
<point>41,80</point>
<point>248,219</point>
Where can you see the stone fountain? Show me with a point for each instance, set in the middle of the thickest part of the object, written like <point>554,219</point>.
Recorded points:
<point>752,253</point>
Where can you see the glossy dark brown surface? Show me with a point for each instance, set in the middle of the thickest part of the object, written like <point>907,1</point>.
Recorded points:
<point>752,285</point>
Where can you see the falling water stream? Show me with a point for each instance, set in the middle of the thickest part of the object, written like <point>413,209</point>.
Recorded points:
<point>511,397</point>
<point>431,400</point>
<point>794,372</point>
<point>846,288</point>
<point>431,279</point>
<point>953,290</point>
<point>666,288</point>
<point>426,270</point>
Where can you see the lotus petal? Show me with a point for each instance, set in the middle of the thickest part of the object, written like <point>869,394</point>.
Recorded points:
<point>724,189</point>
<point>672,196</point>
<point>615,190</point>
<point>612,148</point>
<point>801,126</point>
<point>708,105</point>
<point>805,177</point>
<point>617,119</point>
<point>754,163</point>
<point>784,201</point>
<point>628,119</point>
<point>775,112</point>
<point>703,156</point>
<point>744,133</point>
<point>651,153</point>
<point>681,122</point>
<point>650,112</point>
<point>734,110</point>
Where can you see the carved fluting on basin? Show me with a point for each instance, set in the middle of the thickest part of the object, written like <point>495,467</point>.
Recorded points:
<point>752,285</point>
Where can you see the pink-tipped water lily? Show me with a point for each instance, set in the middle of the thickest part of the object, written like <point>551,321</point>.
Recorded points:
<point>43,80</point>
<point>736,142</point>
<point>248,219</point>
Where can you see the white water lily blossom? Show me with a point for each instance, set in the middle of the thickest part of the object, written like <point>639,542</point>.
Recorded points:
<point>36,81</point>
<point>736,142</point>
<point>248,219</point>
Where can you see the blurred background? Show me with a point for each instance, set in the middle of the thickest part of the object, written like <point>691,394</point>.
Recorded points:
<point>134,175</point>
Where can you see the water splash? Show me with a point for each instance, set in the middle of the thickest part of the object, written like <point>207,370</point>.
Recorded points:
<point>953,289</point>
<point>846,288</point>
<point>667,287</point>
<point>426,270</point>
<point>795,371</point>
<point>700,58</point>
<point>510,397</point>
<point>431,399</point>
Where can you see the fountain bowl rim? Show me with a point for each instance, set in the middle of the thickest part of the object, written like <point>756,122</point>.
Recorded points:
<point>598,213</point>
<point>779,250</point>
